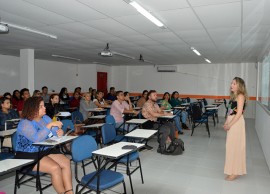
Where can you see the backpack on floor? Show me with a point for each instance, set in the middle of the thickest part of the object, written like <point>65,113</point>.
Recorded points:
<point>175,148</point>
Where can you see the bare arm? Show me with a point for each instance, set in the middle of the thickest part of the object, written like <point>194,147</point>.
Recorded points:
<point>240,105</point>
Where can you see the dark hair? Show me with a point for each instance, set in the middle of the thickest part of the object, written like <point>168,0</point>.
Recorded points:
<point>44,87</point>
<point>112,88</point>
<point>52,96</point>
<point>174,94</point>
<point>3,99</point>
<point>75,93</point>
<point>118,92</point>
<point>35,92</point>
<point>150,92</point>
<point>126,93</point>
<point>165,95</point>
<point>14,96</point>
<point>7,94</point>
<point>62,91</point>
<point>77,88</point>
<point>22,91</point>
<point>144,92</point>
<point>31,108</point>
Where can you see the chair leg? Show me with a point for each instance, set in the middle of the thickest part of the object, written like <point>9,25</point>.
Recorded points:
<point>217,117</point>
<point>129,175</point>
<point>115,168</point>
<point>207,127</point>
<point>193,127</point>
<point>16,182</point>
<point>124,185</point>
<point>141,170</point>
<point>214,120</point>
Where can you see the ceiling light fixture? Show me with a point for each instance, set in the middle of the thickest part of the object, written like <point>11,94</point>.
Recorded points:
<point>207,60</point>
<point>195,51</point>
<point>64,57</point>
<point>29,30</point>
<point>4,29</point>
<point>146,13</point>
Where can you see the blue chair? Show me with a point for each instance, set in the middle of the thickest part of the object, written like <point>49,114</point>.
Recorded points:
<point>109,119</point>
<point>109,137</point>
<point>213,113</point>
<point>198,118</point>
<point>67,125</point>
<point>27,172</point>
<point>82,148</point>
<point>226,107</point>
<point>77,117</point>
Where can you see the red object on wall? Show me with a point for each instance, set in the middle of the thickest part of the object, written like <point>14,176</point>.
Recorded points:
<point>102,82</point>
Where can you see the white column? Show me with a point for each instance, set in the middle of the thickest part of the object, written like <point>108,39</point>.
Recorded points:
<point>27,69</point>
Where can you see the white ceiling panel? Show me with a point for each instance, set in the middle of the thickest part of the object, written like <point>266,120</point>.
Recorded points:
<point>166,38</point>
<point>74,10</point>
<point>220,16</point>
<point>111,27</point>
<point>113,8</point>
<point>154,5</point>
<point>139,23</point>
<point>83,30</point>
<point>32,12</point>
<point>223,35</point>
<point>210,2</point>
<point>181,19</point>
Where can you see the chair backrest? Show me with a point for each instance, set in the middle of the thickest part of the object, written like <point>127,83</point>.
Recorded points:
<point>188,99</point>
<point>205,102</point>
<point>82,148</point>
<point>14,141</point>
<point>77,117</point>
<point>108,132</point>
<point>67,124</point>
<point>109,119</point>
<point>196,112</point>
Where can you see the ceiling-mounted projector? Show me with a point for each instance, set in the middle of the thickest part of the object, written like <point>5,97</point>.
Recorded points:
<point>4,28</point>
<point>106,52</point>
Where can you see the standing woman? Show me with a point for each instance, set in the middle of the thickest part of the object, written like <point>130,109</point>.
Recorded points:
<point>35,126</point>
<point>235,161</point>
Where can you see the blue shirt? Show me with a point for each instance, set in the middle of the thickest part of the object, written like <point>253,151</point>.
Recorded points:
<point>29,132</point>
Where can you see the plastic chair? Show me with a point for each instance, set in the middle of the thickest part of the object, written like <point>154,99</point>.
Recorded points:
<point>226,106</point>
<point>82,148</point>
<point>109,137</point>
<point>27,172</point>
<point>212,113</point>
<point>77,117</point>
<point>109,119</point>
<point>198,118</point>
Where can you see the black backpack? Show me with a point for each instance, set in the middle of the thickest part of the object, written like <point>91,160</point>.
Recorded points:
<point>175,148</point>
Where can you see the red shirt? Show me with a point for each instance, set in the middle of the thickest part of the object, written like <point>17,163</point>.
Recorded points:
<point>74,103</point>
<point>20,105</point>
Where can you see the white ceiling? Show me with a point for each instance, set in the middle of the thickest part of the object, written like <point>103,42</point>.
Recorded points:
<point>224,31</point>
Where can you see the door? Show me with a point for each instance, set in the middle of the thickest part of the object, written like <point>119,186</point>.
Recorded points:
<point>102,82</point>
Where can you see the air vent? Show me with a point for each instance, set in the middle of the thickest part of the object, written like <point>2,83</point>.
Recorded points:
<point>166,68</point>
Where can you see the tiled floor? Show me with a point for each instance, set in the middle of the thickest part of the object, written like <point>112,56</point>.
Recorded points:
<point>198,171</point>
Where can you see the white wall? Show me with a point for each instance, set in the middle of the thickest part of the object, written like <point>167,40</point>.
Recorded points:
<point>194,79</point>
<point>9,73</point>
<point>54,75</point>
<point>262,123</point>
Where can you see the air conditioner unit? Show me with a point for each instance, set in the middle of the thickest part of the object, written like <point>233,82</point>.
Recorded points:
<point>166,68</point>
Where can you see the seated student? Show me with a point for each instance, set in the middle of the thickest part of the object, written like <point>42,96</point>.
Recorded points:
<point>53,107</point>
<point>24,93</point>
<point>183,114</point>
<point>75,101</point>
<point>151,112</point>
<point>143,99</point>
<point>127,98</point>
<point>119,107</point>
<point>111,96</point>
<point>15,98</point>
<point>7,114</point>
<point>99,100</point>
<point>165,105</point>
<point>85,104</point>
<point>45,95</point>
<point>36,93</point>
<point>35,126</point>
<point>93,94</point>
<point>63,96</point>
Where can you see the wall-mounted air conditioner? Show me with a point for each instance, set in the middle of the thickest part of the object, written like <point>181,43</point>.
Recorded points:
<point>166,68</point>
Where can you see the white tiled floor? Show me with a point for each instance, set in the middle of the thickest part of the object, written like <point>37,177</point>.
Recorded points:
<point>198,171</point>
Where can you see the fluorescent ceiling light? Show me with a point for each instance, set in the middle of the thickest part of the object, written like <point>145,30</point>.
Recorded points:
<point>207,60</point>
<point>64,57</point>
<point>195,51</point>
<point>146,14</point>
<point>30,30</point>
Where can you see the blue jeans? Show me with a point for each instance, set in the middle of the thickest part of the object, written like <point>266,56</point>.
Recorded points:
<point>177,123</point>
<point>183,115</point>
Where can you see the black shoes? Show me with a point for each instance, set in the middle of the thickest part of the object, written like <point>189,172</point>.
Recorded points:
<point>180,132</point>
<point>161,149</point>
